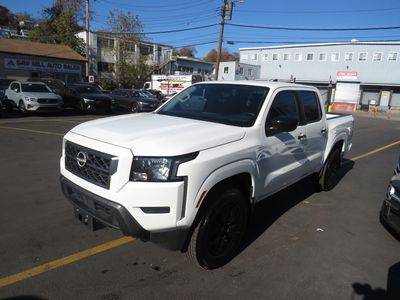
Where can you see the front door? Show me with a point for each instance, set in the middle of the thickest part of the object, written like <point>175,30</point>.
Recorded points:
<point>281,157</point>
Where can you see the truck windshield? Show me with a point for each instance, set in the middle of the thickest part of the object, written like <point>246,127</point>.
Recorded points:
<point>35,88</point>
<point>231,104</point>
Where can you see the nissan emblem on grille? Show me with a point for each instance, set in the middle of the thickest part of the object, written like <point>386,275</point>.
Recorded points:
<point>81,158</point>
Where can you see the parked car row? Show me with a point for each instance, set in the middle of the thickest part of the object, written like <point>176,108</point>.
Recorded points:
<point>40,95</point>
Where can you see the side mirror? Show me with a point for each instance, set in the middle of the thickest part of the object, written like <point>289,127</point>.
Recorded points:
<point>282,124</point>
<point>16,90</point>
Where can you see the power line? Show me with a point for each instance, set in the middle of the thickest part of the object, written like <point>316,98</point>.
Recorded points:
<point>305,42</point>
<point>318,11</point>
<point>164,8</point>
<point>198,44</point>
<point>173,30</point>
<point>314,28</point>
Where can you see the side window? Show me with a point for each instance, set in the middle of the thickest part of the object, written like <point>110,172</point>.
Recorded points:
<point>311,106</point>
<point>284,105</point>
<point>12,86</point>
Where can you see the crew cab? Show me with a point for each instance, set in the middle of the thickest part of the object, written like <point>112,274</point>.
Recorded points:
<point>188,175</point>
<point>32,97</point>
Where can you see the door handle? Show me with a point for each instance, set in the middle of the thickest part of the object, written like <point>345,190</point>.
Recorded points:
<point>323,130</point>
<point>302,136</point>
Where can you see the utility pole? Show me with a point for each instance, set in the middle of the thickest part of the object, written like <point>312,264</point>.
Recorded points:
<point>87,38</point>
<point>220,38</point>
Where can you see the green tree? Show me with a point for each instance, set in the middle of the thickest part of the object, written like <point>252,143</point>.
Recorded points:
<point>131,69</point>
<point>186,51</point>
<point>6,17</point>
<point>59,26</point>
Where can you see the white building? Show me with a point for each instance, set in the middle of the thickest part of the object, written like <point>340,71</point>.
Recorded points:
<point>234,70</point>
<point>104,54</point>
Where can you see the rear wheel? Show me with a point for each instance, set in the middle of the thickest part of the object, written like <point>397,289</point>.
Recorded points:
<point>220,231</point>
<point>331,171</point>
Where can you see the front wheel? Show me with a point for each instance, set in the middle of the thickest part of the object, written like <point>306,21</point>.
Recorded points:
<point>330,174</point>
<point>22,107</point>
<point>134,107</point>
<point>219,233</point>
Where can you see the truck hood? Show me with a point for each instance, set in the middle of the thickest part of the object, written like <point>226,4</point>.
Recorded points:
<point>150,134</point>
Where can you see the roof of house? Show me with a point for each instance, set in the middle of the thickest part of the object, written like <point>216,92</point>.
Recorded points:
<point>39,49</point>
<point>193,59</point>
<point>323,45</point>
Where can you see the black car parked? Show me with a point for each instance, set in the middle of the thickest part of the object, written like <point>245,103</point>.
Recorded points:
<point>134,101</point>
<point>4,84</point>
<point>56,85</point>
<point>390,212</point>
<point>86,98</point>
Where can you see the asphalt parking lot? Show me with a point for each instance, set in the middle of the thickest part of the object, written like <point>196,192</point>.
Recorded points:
<point>301,244</point>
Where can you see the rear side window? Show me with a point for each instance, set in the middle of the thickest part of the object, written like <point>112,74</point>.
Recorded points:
<point>311,106</point>
<point>284,105</point>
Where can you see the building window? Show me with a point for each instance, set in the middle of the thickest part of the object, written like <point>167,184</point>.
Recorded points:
<point>362,56</point>
<point>145,49</point>
<point>127,46</point>
<point>348,56</point>
<point>244,57</point>
<point>105,67</point>
<point>241,70</point>
<point>310,56</point>
<point>265,56</point>
<point>298,57</point>
<point>255,56</point>
<point>275,56</point>
<point>286,56</point>
<point>377,56</point>
<point>250,72</point>
<point>392,56</point>
<point>105,43</point>
<point>322,56</point>
<point>226,70</point>
<point>335,57</point>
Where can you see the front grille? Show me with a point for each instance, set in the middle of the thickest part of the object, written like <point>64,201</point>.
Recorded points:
<point>47,101</point>
<point>98,167</point>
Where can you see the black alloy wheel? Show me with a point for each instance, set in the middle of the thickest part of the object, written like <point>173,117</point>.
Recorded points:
<point>134,107</point>
<point>331,172</point>
<point>218,235</point>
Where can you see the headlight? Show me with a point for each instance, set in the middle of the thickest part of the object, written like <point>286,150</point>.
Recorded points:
<point>87,100</point>
<point>30,98</point>
<point>391,190</point>
<point>156,169</point>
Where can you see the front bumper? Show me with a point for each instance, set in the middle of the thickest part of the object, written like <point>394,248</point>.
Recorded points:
<point>390,213</point>
<point>38,107</point>
<point>98,106</point>
<point>117,216</point>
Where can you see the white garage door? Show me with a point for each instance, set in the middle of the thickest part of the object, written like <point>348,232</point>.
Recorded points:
<point>347,92</point>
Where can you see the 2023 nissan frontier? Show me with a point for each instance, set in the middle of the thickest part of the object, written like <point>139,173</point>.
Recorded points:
<point>188,175</point>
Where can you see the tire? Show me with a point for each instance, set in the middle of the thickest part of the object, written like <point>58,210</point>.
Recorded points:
<point>330,172</point>
<point>219,232</point>
<point>7,104</point>
<point>82,107</point>
<point>134,108</point>
<point>21,107</point>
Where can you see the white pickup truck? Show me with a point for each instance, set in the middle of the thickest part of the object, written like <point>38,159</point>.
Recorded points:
<point>188,175</point>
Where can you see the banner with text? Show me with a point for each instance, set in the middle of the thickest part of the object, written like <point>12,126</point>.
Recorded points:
<point>40,65</point>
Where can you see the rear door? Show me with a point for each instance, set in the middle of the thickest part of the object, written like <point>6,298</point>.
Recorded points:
<point>281,158</point>
<point>316,131</point>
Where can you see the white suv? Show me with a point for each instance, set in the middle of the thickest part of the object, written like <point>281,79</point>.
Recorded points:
<point>33,96</point>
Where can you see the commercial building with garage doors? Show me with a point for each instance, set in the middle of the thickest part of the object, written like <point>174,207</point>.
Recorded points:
<point>355,73</point>
<point>22,59</point>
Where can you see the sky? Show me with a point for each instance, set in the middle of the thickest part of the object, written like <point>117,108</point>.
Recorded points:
<point>161,15</point>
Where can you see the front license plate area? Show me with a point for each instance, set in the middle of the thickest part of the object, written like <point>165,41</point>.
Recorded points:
<point>90,223</point>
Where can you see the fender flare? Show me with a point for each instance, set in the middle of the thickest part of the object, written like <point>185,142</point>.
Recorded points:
<point>224,172</point>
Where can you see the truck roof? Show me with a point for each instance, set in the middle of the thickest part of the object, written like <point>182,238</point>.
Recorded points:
<point>264,83</point>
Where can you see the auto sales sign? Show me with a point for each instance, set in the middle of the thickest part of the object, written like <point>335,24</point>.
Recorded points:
<point>41,65</point>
